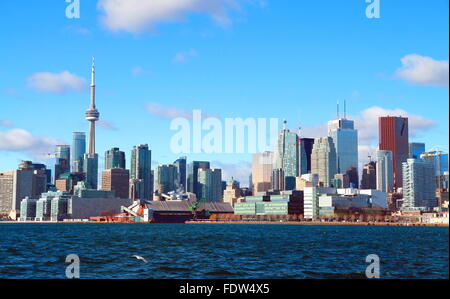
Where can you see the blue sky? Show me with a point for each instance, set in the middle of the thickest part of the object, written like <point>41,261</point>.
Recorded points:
<point>230,58</point>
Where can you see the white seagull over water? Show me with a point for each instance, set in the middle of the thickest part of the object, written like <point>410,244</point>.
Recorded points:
<point>140,258</point>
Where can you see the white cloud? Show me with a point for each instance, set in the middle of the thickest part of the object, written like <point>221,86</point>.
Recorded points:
<point>19,140</point>
<point>171,112</point>
<point>139,70</point>
<point>422,70</point>
<point>183,57</point>
<point>57,82</point>
<point>167,112</point>
<point>136,16</point>
<point>106,125</point>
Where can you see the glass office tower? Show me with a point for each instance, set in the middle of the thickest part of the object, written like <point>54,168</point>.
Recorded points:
<point>78,151</point>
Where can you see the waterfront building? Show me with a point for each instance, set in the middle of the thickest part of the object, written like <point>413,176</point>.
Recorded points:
<point>305,151</point>
<point>28,209</point>
<point>192,176</point>
<point>369,176</point>
<point>232,192</point>
<point>439,160</point>
<point>286,156</point>
<point>262,166</point>
<point>167,176</point>
<point>385,171</point>
<point>210,185</point>
<point>78,151</point>
<point>181,165</point>
<point>116,179</point>
<point>114,158</point>
<point>140,173</point>
<point>323,160</point>
<point>416,149</point>
<point>419,185</point>
<point>393,136</point>
<point>17,184</point>
<point>345,140</point>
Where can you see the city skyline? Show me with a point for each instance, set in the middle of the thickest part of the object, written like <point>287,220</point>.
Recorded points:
<point>142,85</point>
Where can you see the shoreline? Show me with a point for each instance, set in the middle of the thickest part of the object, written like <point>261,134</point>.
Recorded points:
<point>248,223</point>
<point>321,223</point>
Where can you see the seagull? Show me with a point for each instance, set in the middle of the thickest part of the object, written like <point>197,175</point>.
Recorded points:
<point>140,258</point>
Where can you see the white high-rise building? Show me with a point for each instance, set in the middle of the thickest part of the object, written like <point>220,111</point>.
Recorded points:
<point>419,185</point>
<point>385,171</point>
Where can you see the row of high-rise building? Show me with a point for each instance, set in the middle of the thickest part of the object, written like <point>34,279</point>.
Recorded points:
<point>332,161</point>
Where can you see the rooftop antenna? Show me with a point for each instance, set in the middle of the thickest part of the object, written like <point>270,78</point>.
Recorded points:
<point>284,124</point>
<point>337,112</point>
<point>345,110</point>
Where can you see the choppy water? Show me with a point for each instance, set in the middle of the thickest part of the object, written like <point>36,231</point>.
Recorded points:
<point>221,251</point>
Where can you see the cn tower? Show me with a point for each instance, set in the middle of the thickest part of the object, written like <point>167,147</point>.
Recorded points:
<point>90,163</point>
<point>92,114</point>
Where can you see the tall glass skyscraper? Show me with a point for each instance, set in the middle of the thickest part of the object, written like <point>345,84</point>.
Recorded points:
<point>345,139</point>
<point>286,156</point>
<point>416,149</point>
<point>192,176</point>
<point>385,171</point>
<point>323,160</point>
<point>182,171</point>
<point>62,157</point>
<point>114,158</point>
<point>305,150</point>
<point>78,151</point>
<point>210,185</point>
<point>166,178</point>
<point>140,171</point>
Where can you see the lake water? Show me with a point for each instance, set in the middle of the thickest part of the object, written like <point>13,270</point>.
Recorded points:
<point>221,251</point>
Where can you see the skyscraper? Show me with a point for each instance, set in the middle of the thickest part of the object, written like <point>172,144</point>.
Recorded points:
<point>181,165</point>
<point>90,164</point>
<point>286,156</point>
<point>116,179</point>
<point>140,172</point>
<point>192,176</point>
<point>393,134</point>
<point>438,159</point>
<point>416,149</point>
<point>210,184</point>
<point>323,160</point>
<point>345,139</point>
<point>15,185</point>
<point>305,150</point>
<point>262,171</point>
<point>369,176</point>
<point>78,151</point>
<point>167,176</point>
<point>385,171</point>
<point>62,157</point>
<point>114,158</point>
<point>419,185</point>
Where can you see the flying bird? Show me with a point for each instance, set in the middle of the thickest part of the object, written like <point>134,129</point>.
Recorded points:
<point>140,258</point>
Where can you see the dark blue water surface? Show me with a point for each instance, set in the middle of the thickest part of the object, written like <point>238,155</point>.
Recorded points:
<point>221,251</point>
